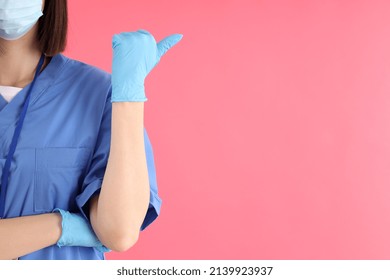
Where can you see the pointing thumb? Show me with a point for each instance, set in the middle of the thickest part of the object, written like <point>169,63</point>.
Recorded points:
<point>165,44</point>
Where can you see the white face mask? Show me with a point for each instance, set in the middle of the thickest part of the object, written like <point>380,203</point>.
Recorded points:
<point>17,17</point>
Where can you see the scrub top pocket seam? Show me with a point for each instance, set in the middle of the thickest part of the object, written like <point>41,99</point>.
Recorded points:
<point>58,173</point>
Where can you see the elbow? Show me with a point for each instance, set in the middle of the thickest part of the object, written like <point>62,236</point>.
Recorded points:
<point>125,243</point>
<point>120,241</point>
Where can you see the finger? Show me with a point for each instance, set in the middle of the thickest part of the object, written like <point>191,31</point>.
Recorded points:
<point>144,31</point>
<point>116,40</point>
<point>165,44</point>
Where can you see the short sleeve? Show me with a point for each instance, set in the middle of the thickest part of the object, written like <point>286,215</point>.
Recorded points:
<point>95,172</point>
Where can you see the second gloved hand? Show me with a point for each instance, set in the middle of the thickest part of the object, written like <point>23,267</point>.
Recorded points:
<point>76,231</point>
<point>134,55</point>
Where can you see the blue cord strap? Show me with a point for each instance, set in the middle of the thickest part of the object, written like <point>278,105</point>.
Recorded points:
<point>18,129</point>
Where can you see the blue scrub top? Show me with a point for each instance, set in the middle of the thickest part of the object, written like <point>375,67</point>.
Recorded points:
<point>63,148</point>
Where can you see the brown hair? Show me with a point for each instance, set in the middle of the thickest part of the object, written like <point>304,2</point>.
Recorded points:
<point>53,27</point>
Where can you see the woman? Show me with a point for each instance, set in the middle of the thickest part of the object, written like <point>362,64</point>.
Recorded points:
<point>78,176</point>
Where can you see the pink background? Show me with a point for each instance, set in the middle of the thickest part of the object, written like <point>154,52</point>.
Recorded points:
<point>269,123</point>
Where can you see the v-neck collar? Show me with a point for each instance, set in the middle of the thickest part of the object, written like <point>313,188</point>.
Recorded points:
<point>9,113</point>
<point>3,102</point>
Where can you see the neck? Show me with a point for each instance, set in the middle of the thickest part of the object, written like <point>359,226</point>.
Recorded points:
<point>18,60</point>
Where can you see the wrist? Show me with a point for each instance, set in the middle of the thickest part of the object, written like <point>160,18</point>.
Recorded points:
<point>56,224</point>
<point>127,114</point>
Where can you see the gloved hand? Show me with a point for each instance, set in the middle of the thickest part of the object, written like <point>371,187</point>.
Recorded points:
<point>134,55</point>
<point>76,231</point>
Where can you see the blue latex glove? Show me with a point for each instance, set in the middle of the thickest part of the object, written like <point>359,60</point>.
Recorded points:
<point>134,55</point>
<point>76,231</point>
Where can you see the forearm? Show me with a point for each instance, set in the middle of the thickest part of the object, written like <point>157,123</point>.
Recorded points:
<point>118,212</point>
<point>23,235</point>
